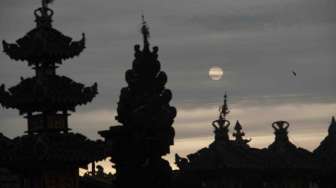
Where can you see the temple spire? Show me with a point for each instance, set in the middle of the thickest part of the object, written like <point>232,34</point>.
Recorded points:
<point>221,125</point>
<point>46,2</point>
<point>44,14</point>
<point>332,127</point>
<point>224,109</point>
<point>145,33</point>
<point>239,135</point>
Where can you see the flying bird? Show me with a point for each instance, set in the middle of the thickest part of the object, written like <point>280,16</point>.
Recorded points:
<point>294,73</point>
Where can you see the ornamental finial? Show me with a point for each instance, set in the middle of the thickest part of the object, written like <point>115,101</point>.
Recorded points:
<point>46,2</point>
<point>224,111</point>
<point>145,32</point>
<point>221,125</point>
<point>239,135</point>
<point>281,131</point>
<point>43,14</point>
<point>332,127</point>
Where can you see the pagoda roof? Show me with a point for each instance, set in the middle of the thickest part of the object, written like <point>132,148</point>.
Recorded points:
<point>44,44</point>
<point>50,92</point>
<point>69,148</point>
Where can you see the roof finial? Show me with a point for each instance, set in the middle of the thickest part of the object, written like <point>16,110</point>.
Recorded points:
<point>281,131</point>
<point>239,135</point>
<point>44,14</point>
<point>46,2</point>
<point>145,32</point>
<point>224,111</point>
<point>332,127</point>
<point>221,125</point>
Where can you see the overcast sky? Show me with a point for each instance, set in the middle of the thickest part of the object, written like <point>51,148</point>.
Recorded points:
<point>256,42</point>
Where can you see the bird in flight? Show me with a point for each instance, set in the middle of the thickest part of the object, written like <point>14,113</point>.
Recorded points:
<point>294,73</point>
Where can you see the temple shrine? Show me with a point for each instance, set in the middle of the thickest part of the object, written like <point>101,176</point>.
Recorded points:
<point>146,133</point>
<point>49,154</point>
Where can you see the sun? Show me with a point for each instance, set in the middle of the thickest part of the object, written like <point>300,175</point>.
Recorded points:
<point>215,73</point>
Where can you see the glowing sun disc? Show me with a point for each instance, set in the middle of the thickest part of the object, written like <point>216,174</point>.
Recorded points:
<point>215,73</point>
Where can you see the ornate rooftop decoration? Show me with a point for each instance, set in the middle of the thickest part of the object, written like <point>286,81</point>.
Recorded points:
<point>44,46</point>
<point>332,127</point>
<point>281,133</point>
<point>239,135</point>
<point>221,125</point>
<point>232,164</point>
<point>145,34</point>
<point>224,153</point>
<point>284,154</point>
<point>44,14</point>
<point>281,142</point>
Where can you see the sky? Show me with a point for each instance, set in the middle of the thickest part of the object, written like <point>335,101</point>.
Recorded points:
<point>257,44</point>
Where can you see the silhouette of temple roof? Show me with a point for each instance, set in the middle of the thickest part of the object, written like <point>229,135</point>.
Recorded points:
<point>57,148</point>
<point>52,92</point>
<point>284,154</point>
<point>326,151</point>
<point>224,155</point>
<point>237,154</point>
<point>44,44</point>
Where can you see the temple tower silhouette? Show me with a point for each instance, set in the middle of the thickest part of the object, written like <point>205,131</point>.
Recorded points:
<point>49,154</point>
<point>146,133</point>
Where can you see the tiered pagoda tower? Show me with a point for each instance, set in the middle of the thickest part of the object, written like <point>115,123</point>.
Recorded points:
<point>49,155</point>
<point>146,133</point>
